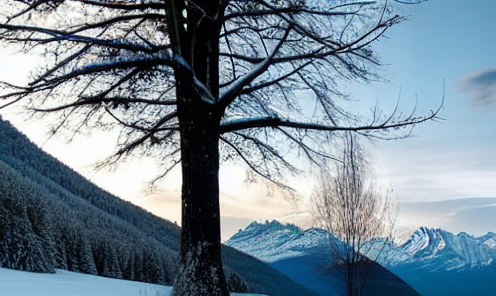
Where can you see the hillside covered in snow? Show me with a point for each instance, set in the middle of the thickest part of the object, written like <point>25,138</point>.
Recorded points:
<point>64,283</point>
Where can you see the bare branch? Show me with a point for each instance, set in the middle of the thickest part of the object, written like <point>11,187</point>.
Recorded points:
<point>272,82</point>
<point>126,6</point>
<point>235,89</point>
<point>253,168</point>
<point>273,122</point>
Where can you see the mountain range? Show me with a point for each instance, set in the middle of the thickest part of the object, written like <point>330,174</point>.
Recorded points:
<point>432,261</point>
<point>437,262</point>
<point>303,256</point>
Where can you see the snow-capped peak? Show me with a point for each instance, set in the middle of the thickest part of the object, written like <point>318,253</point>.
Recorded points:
<point>273,241</point>
<point>443,249</point>
<point>428,239</point>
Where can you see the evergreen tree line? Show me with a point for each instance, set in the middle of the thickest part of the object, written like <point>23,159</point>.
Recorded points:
<point>20,153</point>
<point>39,232</point>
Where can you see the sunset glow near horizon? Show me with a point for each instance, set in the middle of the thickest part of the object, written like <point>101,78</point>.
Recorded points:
<point>454,42</point>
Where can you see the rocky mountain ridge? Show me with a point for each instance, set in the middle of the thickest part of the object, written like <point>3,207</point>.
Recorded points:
<point>441,250</point>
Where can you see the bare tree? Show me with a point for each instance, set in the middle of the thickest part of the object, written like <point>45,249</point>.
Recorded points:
<point>185,80</point>
<point>349,205</point>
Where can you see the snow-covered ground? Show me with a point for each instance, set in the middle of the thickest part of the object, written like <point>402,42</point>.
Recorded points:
<point>66,283</point>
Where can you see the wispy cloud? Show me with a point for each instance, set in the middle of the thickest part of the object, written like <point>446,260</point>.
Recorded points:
<point>439,170</point>
<point>476,216</point>
<point>481,85</point>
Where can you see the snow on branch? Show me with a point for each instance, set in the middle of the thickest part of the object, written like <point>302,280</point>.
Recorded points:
<point>137,62</point>
<point>127,6</point>
<point>57,36</point>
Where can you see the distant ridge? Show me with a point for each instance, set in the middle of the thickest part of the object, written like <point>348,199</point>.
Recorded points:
<point>438,249</point>
<point>64,221</point>
<point>437,262</point>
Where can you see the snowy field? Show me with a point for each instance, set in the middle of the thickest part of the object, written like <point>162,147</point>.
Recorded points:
<point>65,283</point>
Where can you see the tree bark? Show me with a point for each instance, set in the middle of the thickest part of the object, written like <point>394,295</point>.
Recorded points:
<point>200,269</point>
<point>196,39</point>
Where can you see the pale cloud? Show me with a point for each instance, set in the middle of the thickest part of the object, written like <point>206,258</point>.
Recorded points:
<point>436,172</point>
<point>481,85</point>
<point>476,216</point>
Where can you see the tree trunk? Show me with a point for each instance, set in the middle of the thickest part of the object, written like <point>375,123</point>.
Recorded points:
<point>196,38</point>
<point>200,269</point>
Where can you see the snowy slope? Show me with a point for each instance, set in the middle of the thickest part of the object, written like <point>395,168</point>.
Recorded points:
<point>66,283</point>
<point>52,218</point>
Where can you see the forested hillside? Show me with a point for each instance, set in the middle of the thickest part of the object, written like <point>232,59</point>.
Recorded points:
<point>51,217</point>
<point>20,153</point>
<point>45,227</point>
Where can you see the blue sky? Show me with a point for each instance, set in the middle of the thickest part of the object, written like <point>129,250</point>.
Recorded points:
<point>454,42</point>
<point>445,46</point>
<point>450,42</point>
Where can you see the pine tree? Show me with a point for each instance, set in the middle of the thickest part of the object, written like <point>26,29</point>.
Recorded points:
<point>25,239</point>
<point>86,261</point>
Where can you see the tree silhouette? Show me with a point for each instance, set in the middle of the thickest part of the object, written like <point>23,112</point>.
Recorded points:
<point>349,205</point>
<point>186,80</point>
